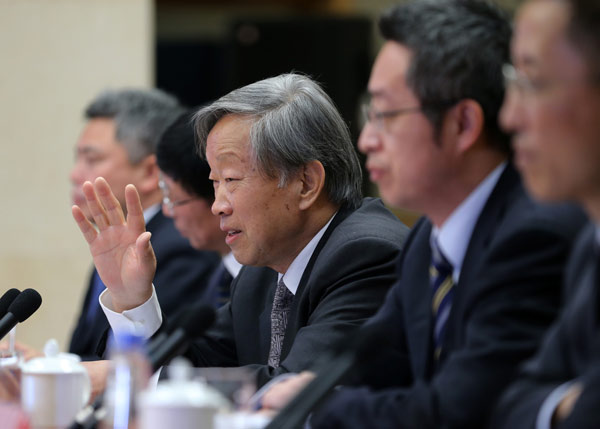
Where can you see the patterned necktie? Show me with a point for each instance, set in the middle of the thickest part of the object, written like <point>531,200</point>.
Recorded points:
<point>442,291</point>
<point>279,315</point>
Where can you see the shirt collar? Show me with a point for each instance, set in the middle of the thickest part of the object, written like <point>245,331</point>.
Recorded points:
<point>150,212</point>
<point>454,235</point>
<point>231,264</point>
<point>294,273</point>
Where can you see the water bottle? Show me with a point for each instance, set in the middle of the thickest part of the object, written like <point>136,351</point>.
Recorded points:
<point>130,372</point>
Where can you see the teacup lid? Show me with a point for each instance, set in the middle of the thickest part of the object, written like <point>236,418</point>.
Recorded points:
<point>180,391</point>
<point>54,362</point>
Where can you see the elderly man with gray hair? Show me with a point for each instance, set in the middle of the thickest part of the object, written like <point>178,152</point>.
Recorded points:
<point>318,257</point>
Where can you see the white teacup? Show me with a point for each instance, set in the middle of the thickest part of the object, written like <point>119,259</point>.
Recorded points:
<point>53,388</point>
<point>180,402</point>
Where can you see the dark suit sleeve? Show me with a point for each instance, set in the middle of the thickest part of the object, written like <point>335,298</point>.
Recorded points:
<point>522,401</point>
<point>519,284</point>
<point>562,354</point>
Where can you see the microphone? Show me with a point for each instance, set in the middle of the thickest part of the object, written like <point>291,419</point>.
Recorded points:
<point>7,299</point>
<point>193,324</point>
<point>356,350</point>
<point>155,342</point>
<point>23,306</point>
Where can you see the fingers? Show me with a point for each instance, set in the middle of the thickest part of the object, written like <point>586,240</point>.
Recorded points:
<point>102,203</point>
<point>98,372</point>
<point>283,392</point>
<point>113,209</point>
<point>135,213</point>
<point>10,388</point>
<point>96,209</point>
<point>85,226</point>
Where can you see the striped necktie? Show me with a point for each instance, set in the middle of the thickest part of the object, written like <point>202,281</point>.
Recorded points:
<point>442,291</point>
<point>279,317</point>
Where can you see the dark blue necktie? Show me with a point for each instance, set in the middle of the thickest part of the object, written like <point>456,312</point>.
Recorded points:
<point>93,306</point>
<point>442,291</point>
<point>219,286</point>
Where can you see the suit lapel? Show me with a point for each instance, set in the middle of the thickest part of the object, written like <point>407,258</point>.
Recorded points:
<point>416,290</point>
<point>491,216</point>
<point>292,324</point>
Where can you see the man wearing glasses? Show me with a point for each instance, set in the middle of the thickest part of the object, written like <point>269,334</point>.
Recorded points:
<point>553,109</point>
<point>118,143</point>
<point>480,275</point>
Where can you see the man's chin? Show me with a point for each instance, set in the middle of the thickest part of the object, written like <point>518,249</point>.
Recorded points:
<point>543,191</point>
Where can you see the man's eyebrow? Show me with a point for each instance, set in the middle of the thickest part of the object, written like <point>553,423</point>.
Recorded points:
<point>380,93</point>
<point>88,150</point>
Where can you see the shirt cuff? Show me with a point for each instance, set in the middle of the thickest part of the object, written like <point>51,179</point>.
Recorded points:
<point>544,417</point>
<point>143,320</point>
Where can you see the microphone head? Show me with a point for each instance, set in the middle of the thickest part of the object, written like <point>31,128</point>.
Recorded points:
<point>197,319</point>
<point>25,304</point>
<point>7,299</point>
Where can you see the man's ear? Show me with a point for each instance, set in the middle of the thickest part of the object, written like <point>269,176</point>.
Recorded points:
<point>148,175</point>
<point>467,123</point>
<point>312,178</point>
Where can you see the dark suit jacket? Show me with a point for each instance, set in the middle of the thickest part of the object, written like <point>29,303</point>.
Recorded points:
<point>181,276</point>
<point>507,294</point>
<point>344,283</point>
<point>571,350</point>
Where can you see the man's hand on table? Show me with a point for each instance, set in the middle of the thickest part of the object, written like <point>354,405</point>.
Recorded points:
<point>283,392</point>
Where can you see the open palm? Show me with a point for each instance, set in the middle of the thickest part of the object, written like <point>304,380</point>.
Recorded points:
<point>120,247</point>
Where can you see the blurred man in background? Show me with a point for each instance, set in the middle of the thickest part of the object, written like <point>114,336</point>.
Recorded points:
<point>553,109</point>
<point>119,143</point>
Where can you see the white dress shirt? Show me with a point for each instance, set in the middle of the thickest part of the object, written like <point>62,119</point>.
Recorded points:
<point>232,266</point>
<point>454,235</point>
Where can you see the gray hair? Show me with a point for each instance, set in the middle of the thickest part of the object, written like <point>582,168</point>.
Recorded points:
<point>294,122</point>
<point>141,116</point>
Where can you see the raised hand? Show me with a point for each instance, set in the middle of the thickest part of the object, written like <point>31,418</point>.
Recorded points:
<point>121,248</point>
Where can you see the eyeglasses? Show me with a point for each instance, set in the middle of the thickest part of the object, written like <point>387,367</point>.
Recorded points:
<point>167,201</point>
<point>521,82</point>
<point>382,119</point>
<point>526,85</point>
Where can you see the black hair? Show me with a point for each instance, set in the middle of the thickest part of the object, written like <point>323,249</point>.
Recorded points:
<point>458,50</point>
<point>178,158</point>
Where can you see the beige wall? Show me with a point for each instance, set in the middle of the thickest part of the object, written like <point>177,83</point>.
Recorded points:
<point>55,56</point>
